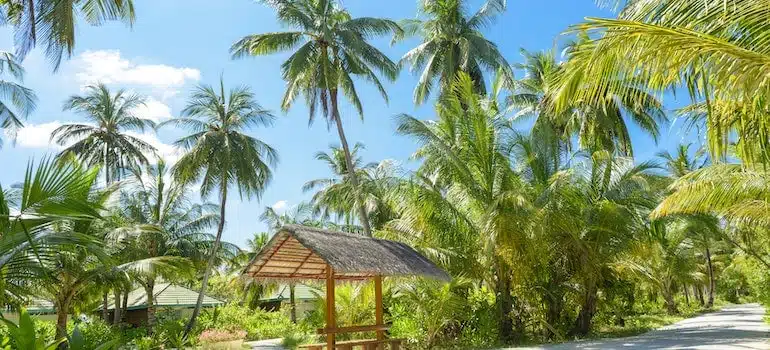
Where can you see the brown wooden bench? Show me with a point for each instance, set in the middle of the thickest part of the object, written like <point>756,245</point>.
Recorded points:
<point>366,344</point>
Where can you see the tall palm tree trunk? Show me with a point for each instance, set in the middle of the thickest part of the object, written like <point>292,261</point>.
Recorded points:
<point>349,162</point>
<point>105,302</point>
<point>686,294</point>
<point>62,309</point>
<point>212,258</point>
<point>116,308</point>
<point>668,297</point>
<point>504,304</point>
<point>699,294</point>
<point>149,288</point>
<point>587,310</point>
<point>712,283</point>
<point>124,307</point>
<point>292,304</point>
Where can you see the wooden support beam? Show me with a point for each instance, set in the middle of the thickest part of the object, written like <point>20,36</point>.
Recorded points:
<point>302,263</point>
<point>331,321</point>
<point>378,306</point>
<point>353,329</point>
<point>272,253</point>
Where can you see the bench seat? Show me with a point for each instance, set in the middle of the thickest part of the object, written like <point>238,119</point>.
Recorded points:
<point>367,344</point>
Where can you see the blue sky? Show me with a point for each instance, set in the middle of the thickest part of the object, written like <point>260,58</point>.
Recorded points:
<point>176,44</point>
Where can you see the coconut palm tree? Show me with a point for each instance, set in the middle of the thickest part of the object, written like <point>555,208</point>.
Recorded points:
<point>163,222</point>
<point>220,155</point>
<point>602,205</point>
<point>467,151</point>
<point>104,140</point>
<point>452,42</point>
<point>664,258</point>
<point>332,50</point>
<point>19,101</point>
<point>598,125</point>
<point>691,44</point>
<point>336,197</point>
<point>53,23</point>
<point>702,229</point>
<point>53,192</point>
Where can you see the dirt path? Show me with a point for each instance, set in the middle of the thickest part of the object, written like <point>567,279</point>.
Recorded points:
<point>734,327</point>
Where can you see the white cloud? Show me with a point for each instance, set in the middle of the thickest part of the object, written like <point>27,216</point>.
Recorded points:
<point>153,110</point>
<point>37,135</point>
<point>109,67</point>
<point>280,206</point>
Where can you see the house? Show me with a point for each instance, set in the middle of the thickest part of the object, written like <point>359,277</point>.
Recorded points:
<point>305,297</point>
<point>166,296</point>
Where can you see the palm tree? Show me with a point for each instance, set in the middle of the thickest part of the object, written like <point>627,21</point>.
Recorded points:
<point>598,125</point>
<point>162,222</point>
<point>703,229</point>
<point>600,207</point>
<point>251,289</point>
<point>220,155</point>
<point>452,42</point>
<point>664,258</point>
<point>52,193</point>
<point>336,196</point>
<point>105,142</point>
<point>333,49</point>
<point>485,202</point>
<point>16,96</point>
<point>53,22</point>
<point>689,44</point>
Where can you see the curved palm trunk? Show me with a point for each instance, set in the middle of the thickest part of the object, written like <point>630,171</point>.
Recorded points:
<point>712,282</point>
<point>699,294</point>
<point>212,257</point>
<point>668,297</point>
<point>349,162</point>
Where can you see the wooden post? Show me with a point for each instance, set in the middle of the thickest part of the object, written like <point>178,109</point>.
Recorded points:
<point>331,321</point>
<point>378,306</point>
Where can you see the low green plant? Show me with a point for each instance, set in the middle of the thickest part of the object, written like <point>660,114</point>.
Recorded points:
<point>294,339</point>
<point>258,324</point>
<point>95,332</point>
<point>79,341</point>
<point>24,335</point>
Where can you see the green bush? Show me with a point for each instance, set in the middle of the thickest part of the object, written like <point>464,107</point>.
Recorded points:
<point>258,324</point>
<point>95,332</point>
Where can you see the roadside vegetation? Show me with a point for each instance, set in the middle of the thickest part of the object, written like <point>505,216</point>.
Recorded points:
<point>525,187</point>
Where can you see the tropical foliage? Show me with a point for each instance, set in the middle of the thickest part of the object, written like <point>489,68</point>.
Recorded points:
<point>524,189</point>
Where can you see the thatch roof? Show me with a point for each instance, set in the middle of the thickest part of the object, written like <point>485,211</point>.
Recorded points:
<point>303,253</point>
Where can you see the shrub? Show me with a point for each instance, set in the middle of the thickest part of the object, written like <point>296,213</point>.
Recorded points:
<point>210,336</point>
<point>95,332</point>
<point>258,324</point>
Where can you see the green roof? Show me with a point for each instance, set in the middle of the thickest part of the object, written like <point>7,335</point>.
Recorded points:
<point>301,292</point>
<point>40,306</point>
<point>167,295</point>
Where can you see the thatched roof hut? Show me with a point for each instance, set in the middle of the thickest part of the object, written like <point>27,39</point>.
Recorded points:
<point>298,253</point>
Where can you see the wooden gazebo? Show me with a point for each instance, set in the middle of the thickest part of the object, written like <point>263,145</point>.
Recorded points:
<point>299,253</point>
